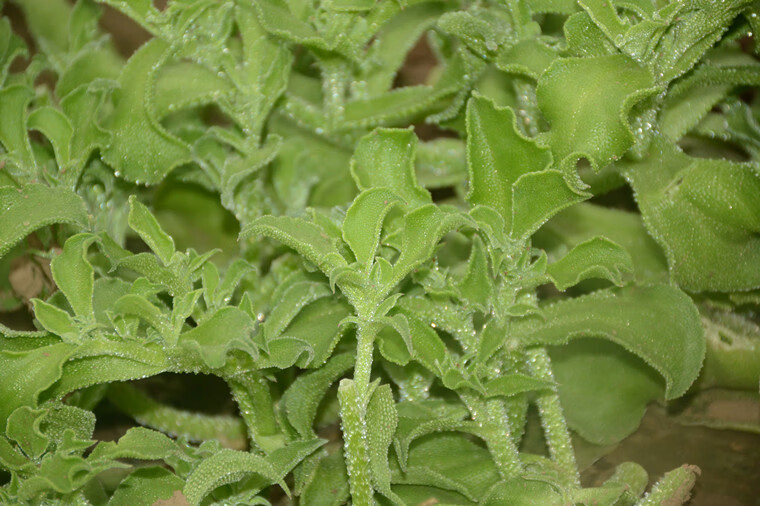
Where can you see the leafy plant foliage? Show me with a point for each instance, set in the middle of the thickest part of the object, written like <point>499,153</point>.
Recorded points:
<point>352,297</point>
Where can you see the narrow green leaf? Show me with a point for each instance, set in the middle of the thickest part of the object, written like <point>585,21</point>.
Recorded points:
<point>364,222</point>
<point>382,419</point>
<point>56,320</point>
<point>145,224</point>
<point>73,274</point>
<point>308,239</point>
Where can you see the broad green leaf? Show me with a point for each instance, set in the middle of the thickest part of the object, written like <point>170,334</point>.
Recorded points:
<point>705,214</point>
<point>23,426</point>
<point>364,222</point>
<point>452,461</point>
<point>529,57</point>
<point>229,328</point>
<point>33,206</point>
<point>385,159</point>
<point>595,258</point>
<point>146,485</point>
<point>658,323</point>
<point>141,150</point>
<point>497,155</point>
<point>588,101</point>
<point>604,390</point>
<point>145,224</point>
<point>529,212</point>
<point>73,274</point>
<point>136,305</point>
<point>27,373</point>
<point>289,302</point>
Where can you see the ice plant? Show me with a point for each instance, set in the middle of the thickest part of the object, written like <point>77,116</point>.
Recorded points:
<point>246,196</point>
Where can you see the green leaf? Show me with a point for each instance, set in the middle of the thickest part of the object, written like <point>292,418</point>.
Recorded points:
<point>141,149</point>
<point>514,383</point>
<point>23,426</point>
<point>27,373</point>
<point>497,155</point>
<point>57,321</point>
<point>423,228</point>
<point>146,485</point>
<point>74,276</point>
<point>522,492</point>
<point>477,286</point>
<point>138,443</point>
<point>658,323</point>
<point>229,328</point>
<point>529,212</point>
<point>604,390</point>
<point>385,159</point>
<point>588,101</point>
<point>329,483</point>
<point>364,222</point>
<point>145,224</point>
<point>14,101</point>
<point>33,206</point>
<point>302,398</point>
<point>308,239</point>
<point>382,420</point>
<point>595,258</point>
<point>54,125</point>
<point>227,466</point>
<point>705,214</point>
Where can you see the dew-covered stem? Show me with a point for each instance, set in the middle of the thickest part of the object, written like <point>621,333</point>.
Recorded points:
<point>552,417</point>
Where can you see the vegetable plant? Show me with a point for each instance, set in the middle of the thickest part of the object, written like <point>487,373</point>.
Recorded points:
<point>396,280</point>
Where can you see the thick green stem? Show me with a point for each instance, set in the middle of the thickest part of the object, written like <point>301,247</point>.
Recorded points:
<point>353,416</point>
<point>496,431</point>
<point>365,336</point>
<point>552,417</point>
<point>673,488</point>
